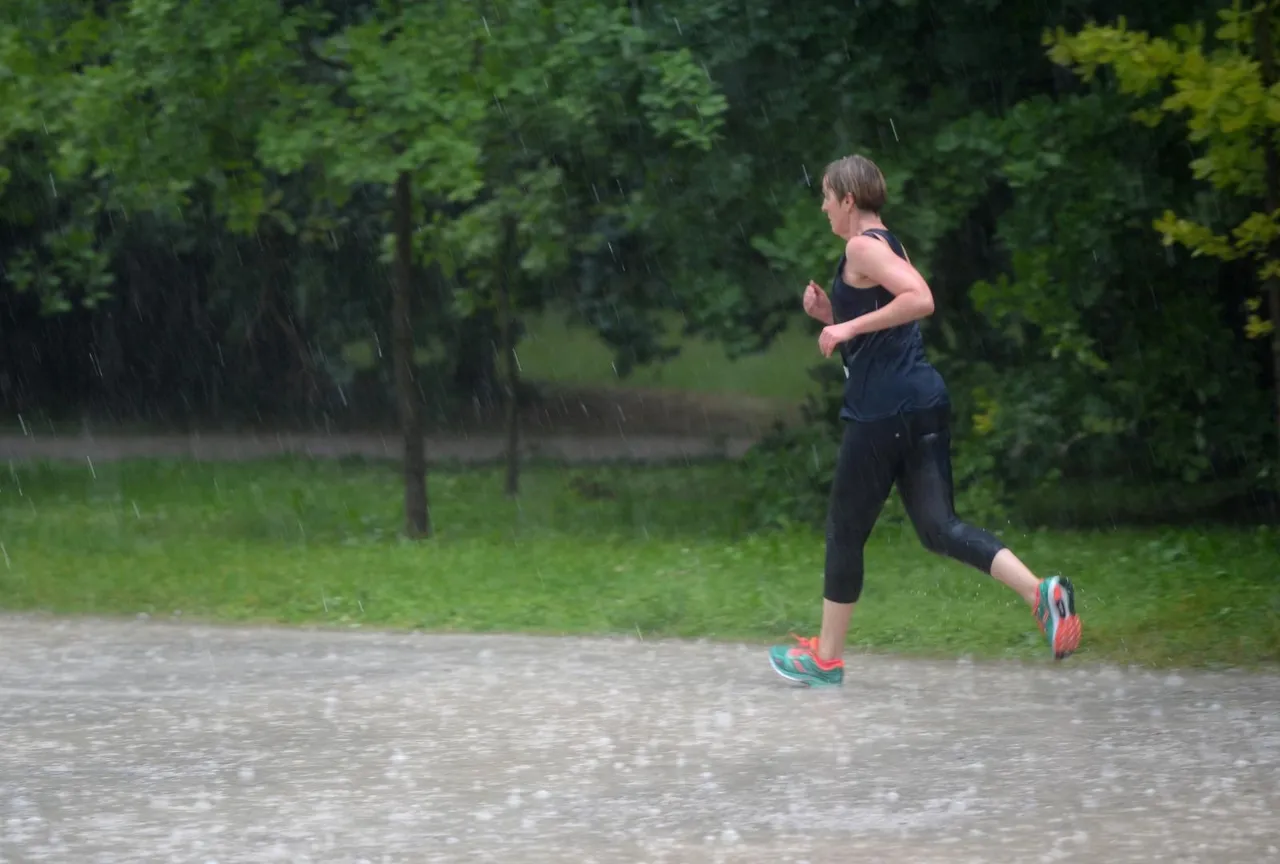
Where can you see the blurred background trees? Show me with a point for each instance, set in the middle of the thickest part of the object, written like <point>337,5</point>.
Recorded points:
<point>356,215</point>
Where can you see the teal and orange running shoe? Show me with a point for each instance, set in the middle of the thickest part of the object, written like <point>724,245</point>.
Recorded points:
<point>800,663</point>
<point>1056,614</point>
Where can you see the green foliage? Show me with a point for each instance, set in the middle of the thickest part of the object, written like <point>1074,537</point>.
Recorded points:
<point>789,472</point>
<point>1074,292</point>
<point>225,166</point>
<point>802,247</point>
<point>566,81</point>
<point>170,101</point>
<point>70,263</point>
<point>146,108</point>
<point>1228,109</point>
<point>62,262</point>
<point>1021,210</point>
<point>390,94</point>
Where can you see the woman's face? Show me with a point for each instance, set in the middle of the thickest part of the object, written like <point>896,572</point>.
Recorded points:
<point>839,214</point>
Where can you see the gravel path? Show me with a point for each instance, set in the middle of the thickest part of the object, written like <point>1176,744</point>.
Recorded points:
<point>162,742</point>
<point>575,448</point>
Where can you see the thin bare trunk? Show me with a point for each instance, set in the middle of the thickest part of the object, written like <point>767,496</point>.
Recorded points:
<point>511,380</point>
<point>417,516</point>
<point>1266,59</point>
<point>1274,285</point>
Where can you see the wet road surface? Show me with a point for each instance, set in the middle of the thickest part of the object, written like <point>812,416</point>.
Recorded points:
<point>159,742</point>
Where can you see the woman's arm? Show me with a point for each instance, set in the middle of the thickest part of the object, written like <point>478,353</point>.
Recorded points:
<point>912,299</point>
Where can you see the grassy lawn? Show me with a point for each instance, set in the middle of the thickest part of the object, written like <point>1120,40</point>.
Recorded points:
<point>555,352</point>
<point>658,552</point>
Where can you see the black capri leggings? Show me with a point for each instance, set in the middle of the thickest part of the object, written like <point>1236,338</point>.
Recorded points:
<point>913,450</point>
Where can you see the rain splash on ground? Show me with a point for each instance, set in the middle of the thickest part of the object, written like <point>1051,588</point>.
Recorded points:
<point>162,742</point>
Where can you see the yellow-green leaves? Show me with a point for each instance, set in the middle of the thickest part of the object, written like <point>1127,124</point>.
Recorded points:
<point>1229,110</point>
<point>1219,95</point>
<point>1255,327</point>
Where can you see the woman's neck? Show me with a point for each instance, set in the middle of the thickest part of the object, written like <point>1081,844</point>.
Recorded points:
<point>862,221</point>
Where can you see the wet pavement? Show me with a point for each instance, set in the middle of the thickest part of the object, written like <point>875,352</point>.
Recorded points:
<point>158,742</point>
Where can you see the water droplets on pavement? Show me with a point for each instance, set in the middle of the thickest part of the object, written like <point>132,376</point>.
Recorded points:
<point>165,742</point>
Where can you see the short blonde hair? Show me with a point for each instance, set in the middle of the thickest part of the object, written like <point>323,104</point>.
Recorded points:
<point>860,177</point>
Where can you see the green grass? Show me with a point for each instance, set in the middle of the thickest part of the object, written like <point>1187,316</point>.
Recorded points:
<point>556,352</point>
<point>664,552</point>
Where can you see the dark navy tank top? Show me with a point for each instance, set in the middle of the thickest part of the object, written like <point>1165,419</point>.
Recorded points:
<point>886,372</point>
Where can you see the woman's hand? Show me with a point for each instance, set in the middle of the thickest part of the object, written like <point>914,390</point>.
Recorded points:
<point>834,334</point>
<point>817,304</point>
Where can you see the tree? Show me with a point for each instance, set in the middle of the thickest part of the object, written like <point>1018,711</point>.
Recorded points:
<point>1227,92</point>
<point>60,261</point>
<point>389,105</point>
<point>583,100</point>
<point>171,101</point>
<point>1024,192</point>
<point>147,118</point>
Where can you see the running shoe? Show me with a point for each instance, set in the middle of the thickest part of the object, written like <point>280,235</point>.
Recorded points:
<point>800,663</point>
<point>1056,614</point>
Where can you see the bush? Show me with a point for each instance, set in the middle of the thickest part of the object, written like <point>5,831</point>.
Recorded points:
<point>789,471</point>
<point>789,475</point>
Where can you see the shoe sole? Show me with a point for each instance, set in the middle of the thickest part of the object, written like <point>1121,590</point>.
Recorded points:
<point>793,679</point>
<point>805,681</point>
<point>1063,619</point>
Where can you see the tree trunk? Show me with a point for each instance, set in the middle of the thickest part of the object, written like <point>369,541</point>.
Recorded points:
<point>1266,59</point>
<point>417,517</point>
<point>511,380</point>
<point>1274,285</point>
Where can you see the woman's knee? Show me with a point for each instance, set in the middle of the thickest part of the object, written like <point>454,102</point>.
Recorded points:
<point>953,538</point>
<point>936,535</point>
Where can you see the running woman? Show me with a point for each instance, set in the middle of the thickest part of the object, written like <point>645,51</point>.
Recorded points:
<point>896,413</point>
